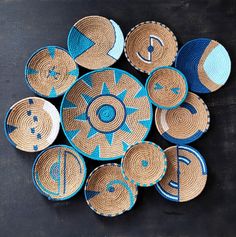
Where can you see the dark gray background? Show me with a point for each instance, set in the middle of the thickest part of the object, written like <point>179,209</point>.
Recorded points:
<point>26,25</point>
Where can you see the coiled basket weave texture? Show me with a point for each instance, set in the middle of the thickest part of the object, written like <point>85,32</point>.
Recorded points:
<point>32,124</point>
<point>205,63</point>
<point>50,71</point>
<point>149,45</point>
<point>59,172</point>
<point>167,87</point>
<point>108,193</point>
<point>105,112</point>
<point>144,164</point>
<point>95,42</point>
<point>186,123</point>
<point>186,174</point>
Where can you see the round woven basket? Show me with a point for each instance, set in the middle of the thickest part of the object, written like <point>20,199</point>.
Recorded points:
<point>95,42</point>
<point>108,193</point>
<point>149,45</point>
<point>105,112</point>
<point>186,174</point>
<point>50,71</point>
<point>32,124</point>
<point>59,172</point>
<point>144,164</point>
<point>205,63</point>
<point>186,123</point>
<point>167,87</point>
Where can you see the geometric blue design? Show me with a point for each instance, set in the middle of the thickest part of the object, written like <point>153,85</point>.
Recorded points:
<point>145,123</point>
<point>175,90</point>
<point>189,107</point>
<point>29,112</point>
<point>81,117</point>
<point>109,137</point>
<point>130,110</point>
<point>72,134</point>
<point>184,160</point>
<point>31,71</point>
<point>92,132</point>
<point>125,146</point>
<point>35,118</point>
<point>32,130</point>
<point>157,86</point>
<point>125,128</point>
<point>51,51</point>
<point>88,81</point>
<point>53,92</point>
<point>55,171</point>
<point>96,152</point>
<point>122,95</point>
<point>142,92</point>
<point>173,184</point>
<point>31,101</point>
<point>39,136</point>
<point>10,128</point>
<point>87,98</point>
<point>74,72</point>
<point>68,104</point>
<point>105,89</point>
<point>144,163</point>
<point>90,194</point>
<point>35,147</point>
<point>118,76</point>
<point>78,43</point>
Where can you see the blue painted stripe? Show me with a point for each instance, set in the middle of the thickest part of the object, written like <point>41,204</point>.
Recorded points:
<point>189,107</point>
<point>173,184</point>
<point>185,160</point>
<point>166,194</point>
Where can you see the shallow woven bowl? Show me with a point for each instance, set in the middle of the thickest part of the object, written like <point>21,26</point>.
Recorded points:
<point>95,42</point>
<point>144,164</point>
<point>59,172</point>
<point>32,124</point>
<point>149,45</point>
<point>205,63</point>
<point>108,193</point>
<point>167,87</point>
<point>105,112</point>
<point>186,123</point>
<point>50,71</point>
<point>186,174</point>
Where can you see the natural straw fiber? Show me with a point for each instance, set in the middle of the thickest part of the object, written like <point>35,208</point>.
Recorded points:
<point>205,63</point>
<point>95,42</point>
<point>50,71</point>
<point>149,45</point>
<point>186,174</point>
<point>186,123</point>
<point>105,112</point>
<point>59,172</point>
<point>167,87</point>
<point>144,164</point>
<point>32,124</point>
<point>108,193</point>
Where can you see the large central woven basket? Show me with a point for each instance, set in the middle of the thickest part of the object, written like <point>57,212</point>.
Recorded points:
<point>105,112</point>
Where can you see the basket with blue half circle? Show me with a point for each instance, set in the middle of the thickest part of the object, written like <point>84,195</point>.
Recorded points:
<point>107,193</point>
<point>186,174</point>
<point>149,45</point>
<point>144,164</point>
<point>95,42</point>
<point>50,71</point>
<point>205,63</point>
<point>105,112</point>
<point>167,87</point>
<point>184,124</point>
<point>32,124</point>
<point>59,172</point>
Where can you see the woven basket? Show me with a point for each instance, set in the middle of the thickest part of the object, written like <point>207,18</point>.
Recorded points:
<point>50,71</point>
<point>205,63</point>
<point>32,124</point>
<point>95,42</point>
<point>186,123</point>
<point>59,172</point>
<point>105,112</point>
<point>186,174</point>
<point>149,45</point>
<point>107,193</point>
<point>167,87</point>
<point>144,164</point>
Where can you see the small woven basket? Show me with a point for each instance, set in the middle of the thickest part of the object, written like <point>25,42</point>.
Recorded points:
<point>149,45</point>
<point>144,164</point>
<point>108,193</point>
<point>59,172</point>
<point>32,124</point>
<point>205,63</point>
<point>50,71</point>
<point>95,42</point>
<point>186,174</point>
<point>167,87</point>
<point>105,112</point>
<point>184,124</point>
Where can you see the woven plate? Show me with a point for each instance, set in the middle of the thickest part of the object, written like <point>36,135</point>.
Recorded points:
<point>186,123</point>
<point>167,87</point>
<point>32,124</point>
<point>105,112</point>
<point>107,193</point>
<point>149,45</point>
<point>205,63</point>
<point>186,174</point>
<point>50,71</point>
<point>144,164</point>
<point>59,172</point>
<point>95,42</point>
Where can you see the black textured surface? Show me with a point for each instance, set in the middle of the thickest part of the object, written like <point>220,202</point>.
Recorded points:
<point>28,25</point>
